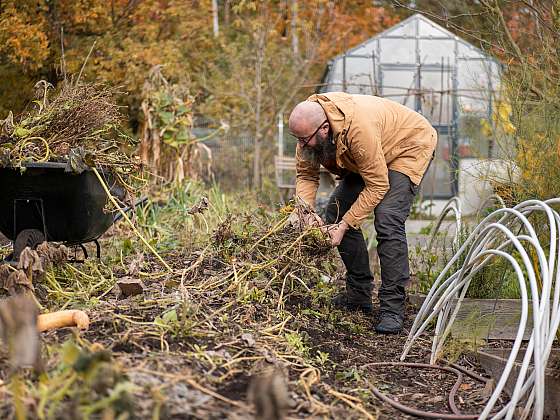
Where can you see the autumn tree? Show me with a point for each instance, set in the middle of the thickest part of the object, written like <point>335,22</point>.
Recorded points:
<point>24,49</point>
<point>130,37</point>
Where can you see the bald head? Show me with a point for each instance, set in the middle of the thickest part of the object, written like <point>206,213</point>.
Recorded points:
<point>305,118</point>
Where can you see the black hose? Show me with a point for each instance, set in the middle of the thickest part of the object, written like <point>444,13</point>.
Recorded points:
<point>428,414</point>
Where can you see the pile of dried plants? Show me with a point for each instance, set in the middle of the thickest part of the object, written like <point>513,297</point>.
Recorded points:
<point>78,124</point>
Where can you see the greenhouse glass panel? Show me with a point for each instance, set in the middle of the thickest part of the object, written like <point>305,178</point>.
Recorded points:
<point>434,51</point>
<point>366,49</point>
<point>398,85</point>
<point>426,28</point>
<point>436,96</point>
<point>465,50</point>
<point>359,75</point>
<point>397,50</point>
<point>437,181</point>
<point>474,77</point>
<point>335,71</point>
<point>407,29</point>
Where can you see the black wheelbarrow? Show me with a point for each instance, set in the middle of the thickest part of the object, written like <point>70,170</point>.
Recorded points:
<point>44,202</point>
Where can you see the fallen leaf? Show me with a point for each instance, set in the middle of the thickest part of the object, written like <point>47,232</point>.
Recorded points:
<point>52,254</point>
<point>17,282</point>
<point>30,261</point>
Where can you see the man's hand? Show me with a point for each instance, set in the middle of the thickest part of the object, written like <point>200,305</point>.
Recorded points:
<point>313,220</point>
<point>337,232</point>
<point>304,220</point>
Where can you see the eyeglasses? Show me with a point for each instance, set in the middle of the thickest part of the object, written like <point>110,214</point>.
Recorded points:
<point>304,141</point>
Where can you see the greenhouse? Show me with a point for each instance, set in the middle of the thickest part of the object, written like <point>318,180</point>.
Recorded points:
<point>427,68</point>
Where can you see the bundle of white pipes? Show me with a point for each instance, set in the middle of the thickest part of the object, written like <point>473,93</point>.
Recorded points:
<point>501,234</point>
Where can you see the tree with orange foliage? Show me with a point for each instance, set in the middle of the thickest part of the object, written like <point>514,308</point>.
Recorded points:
<point>130,37</point>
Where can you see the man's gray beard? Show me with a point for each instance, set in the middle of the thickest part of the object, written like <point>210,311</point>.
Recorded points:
<point>323,151</point>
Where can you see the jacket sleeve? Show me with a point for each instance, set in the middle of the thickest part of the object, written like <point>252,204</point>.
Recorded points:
<point>365,149</point>
<point>307,178</point>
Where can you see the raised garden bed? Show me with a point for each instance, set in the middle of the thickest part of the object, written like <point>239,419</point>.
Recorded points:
<point>491,319</point>
<point>498,319</point>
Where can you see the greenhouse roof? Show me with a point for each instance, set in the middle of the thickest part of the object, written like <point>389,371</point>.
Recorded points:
<point>415,26</point>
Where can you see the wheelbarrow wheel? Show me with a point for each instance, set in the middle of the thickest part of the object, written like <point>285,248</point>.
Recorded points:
<point>27,238</point>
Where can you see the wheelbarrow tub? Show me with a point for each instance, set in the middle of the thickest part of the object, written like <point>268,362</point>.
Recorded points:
<point>66,206</point>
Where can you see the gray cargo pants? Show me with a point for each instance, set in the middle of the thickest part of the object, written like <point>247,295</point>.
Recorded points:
<point>392,248</point>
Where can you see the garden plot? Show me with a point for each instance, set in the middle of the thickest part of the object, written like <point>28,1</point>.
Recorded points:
<point>241,325</point>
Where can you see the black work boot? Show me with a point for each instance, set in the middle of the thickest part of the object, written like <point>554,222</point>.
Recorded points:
<point>389,323</point>
<point>343,301</point>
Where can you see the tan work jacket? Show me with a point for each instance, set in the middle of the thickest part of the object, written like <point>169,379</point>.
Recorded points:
<point>372,135</point>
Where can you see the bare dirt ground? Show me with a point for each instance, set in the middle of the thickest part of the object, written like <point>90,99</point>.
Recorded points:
<point>223,364</point>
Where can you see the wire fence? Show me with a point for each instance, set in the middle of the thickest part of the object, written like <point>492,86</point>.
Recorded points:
<point>232,157</point>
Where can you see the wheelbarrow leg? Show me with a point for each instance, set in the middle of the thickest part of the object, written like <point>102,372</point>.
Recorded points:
<point>84,250</point>
<point>98,248</point>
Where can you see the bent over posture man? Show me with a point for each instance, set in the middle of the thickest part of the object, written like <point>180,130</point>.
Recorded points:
<point>380,150</point>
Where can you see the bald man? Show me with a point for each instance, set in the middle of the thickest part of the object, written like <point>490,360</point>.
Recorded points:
<point>380,150</point>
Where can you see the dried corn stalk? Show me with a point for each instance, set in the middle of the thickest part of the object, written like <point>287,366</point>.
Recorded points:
<point>167,146</point>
